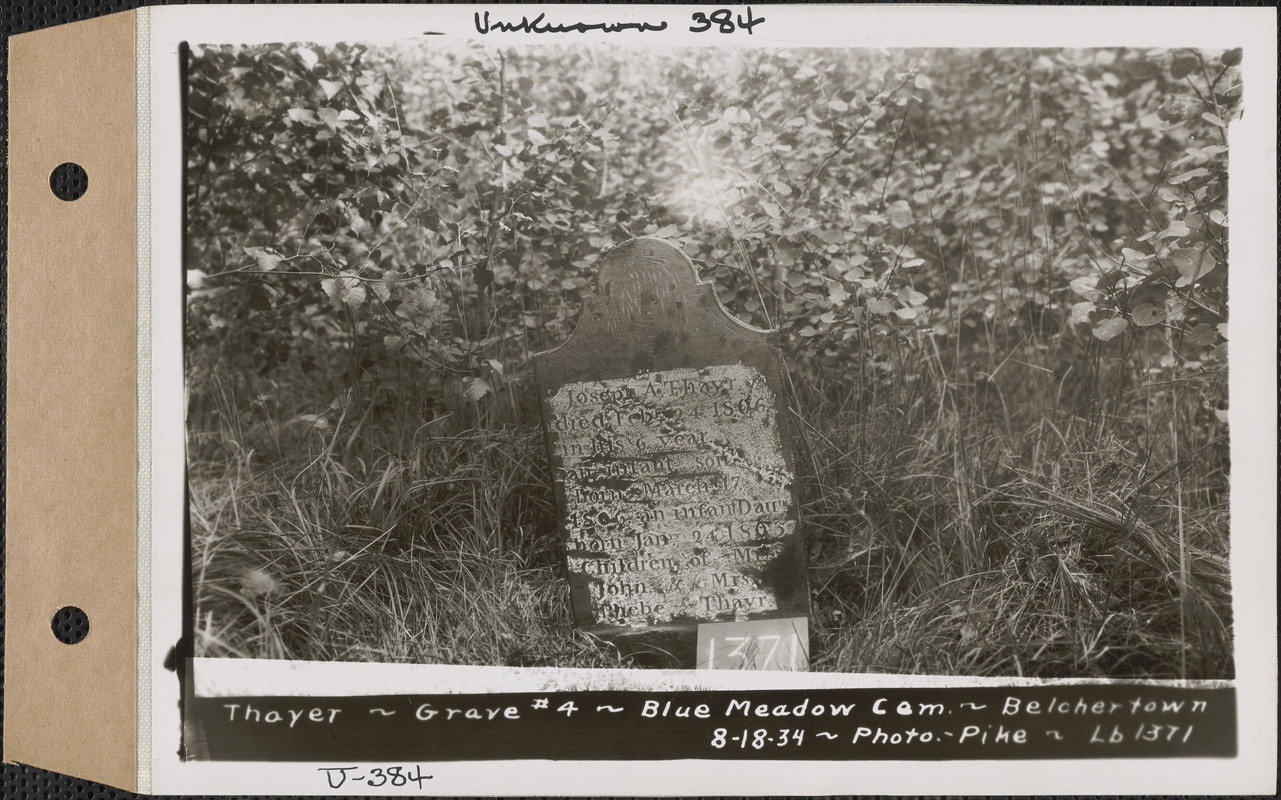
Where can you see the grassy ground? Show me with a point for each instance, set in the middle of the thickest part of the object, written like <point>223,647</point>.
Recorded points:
<point>999,527</point>
<point>1046,506</point>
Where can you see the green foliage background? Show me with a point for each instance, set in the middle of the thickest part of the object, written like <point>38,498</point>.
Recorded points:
<point>1000,275</point>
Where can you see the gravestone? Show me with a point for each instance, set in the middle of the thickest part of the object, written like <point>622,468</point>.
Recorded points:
<point>665,426</point>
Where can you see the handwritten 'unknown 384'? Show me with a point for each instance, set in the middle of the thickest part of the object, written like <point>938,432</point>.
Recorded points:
<point>723,20</point>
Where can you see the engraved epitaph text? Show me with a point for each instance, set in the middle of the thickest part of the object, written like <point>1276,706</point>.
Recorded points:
<point>676,493</point>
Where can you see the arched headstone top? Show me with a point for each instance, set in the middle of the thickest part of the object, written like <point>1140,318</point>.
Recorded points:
<point>651,311</point>
<point>642,289</point>
<point>644,263</point>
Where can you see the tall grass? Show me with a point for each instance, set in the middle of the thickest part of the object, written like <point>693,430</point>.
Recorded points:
<point>1020,521</point>
<point>1043,507</point>
<point>442,552</point>
<point>1016,498</point>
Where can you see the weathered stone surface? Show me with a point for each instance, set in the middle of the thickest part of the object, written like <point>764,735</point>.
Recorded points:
<point>663,417</point>
<point>676,493</point>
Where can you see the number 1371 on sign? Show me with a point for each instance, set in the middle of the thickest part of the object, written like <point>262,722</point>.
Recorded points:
<point>760,644</point>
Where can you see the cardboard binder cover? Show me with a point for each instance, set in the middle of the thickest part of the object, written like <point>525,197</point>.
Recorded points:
<point>71,467</point>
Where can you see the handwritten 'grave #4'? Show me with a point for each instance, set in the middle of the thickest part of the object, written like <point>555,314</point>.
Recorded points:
<point>663,417</point>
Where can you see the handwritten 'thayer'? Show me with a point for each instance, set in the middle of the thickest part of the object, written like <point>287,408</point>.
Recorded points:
<point>722,20</point>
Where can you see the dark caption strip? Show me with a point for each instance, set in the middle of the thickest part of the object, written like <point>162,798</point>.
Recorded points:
<point>1095,721</point>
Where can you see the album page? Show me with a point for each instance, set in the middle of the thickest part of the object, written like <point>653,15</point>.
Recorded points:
<point>686,400</point>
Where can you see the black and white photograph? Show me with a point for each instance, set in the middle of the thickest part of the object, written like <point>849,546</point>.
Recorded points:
<point>908,361</point>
